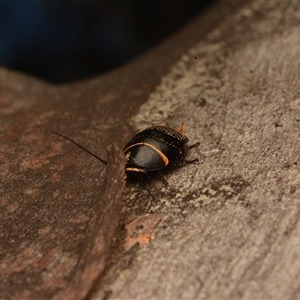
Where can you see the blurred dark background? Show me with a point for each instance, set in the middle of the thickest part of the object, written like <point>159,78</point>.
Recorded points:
<point>62,41</point>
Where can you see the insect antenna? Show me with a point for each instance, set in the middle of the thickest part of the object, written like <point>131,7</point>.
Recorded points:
<point>86,150</point>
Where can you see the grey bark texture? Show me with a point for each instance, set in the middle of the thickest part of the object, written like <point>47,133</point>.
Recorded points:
<point>225,227</point>
<point>231,228</point>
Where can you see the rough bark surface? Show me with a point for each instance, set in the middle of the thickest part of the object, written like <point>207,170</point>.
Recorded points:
<point>231,222</point>
<point>225,227</point>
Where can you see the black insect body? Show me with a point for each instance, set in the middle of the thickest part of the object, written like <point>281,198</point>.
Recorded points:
<point>154,148</point>
<point>151,150</point>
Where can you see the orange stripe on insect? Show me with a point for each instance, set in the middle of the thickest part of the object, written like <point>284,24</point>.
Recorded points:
<point>162,156</point>
<point>180,129</point>
<point>135,170</point>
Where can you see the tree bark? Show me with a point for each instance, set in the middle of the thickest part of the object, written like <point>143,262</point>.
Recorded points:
<point>225,227</point>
